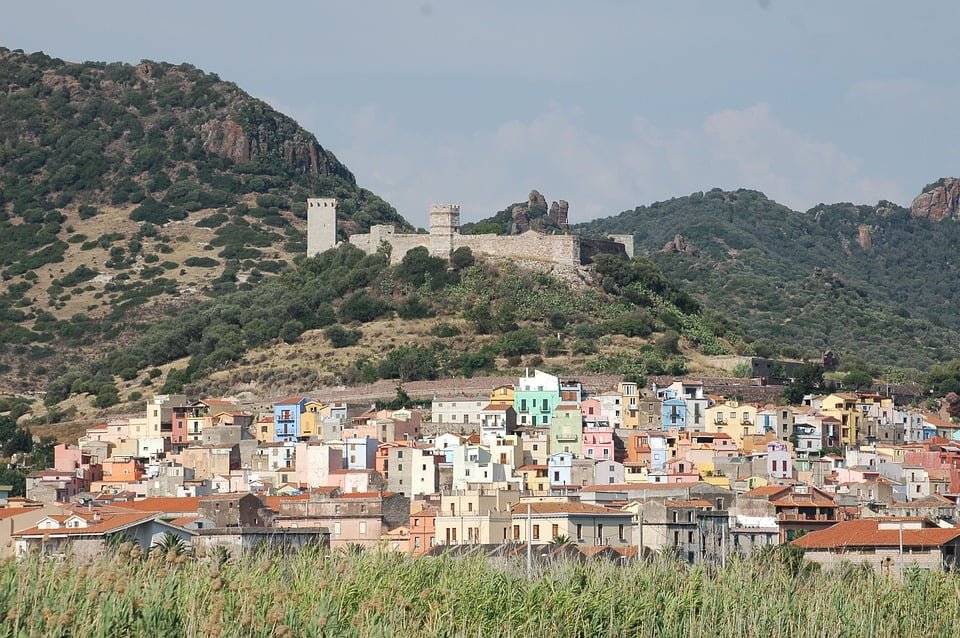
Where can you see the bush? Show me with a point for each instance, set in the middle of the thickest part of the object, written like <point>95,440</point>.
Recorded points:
<point>341,337</point>
<point>462,258</point>
<point>445,330</point>
<point>518,342</point>
<point>363,307</point>
<point>291,331</point>
<point>200,262</point>
<point>552,346</point>
<point>409,363</point>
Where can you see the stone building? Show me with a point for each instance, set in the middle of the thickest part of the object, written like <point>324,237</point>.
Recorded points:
<point>444,237</point>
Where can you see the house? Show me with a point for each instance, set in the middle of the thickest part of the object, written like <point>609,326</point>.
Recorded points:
<point>566,429</point>
<point>796,508</point>
<point>233,510</point>
<point>676,525</point>
<point>890,545</point>
<point>535,398</point>
<point>629,404</point>
<point>502,395</point>
<point>683,406</point>
<point>422,529</point>
<point>598,441</point>
<point>19,514</point>
<point>85,535</point>
<point>462,411</point>
<point>413,471</point>
<point>497,420</point>
<point>360,518</point>
<point>475,516</point>
<point>287,414</point>
<point>539,523</point>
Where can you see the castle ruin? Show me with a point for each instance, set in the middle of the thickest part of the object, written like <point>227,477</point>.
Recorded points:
<point>444,238</point>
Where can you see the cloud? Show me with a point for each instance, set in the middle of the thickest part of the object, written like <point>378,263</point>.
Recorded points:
<point>557,153</point>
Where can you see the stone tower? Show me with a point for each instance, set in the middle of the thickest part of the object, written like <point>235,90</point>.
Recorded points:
<point>444,224</point>
<point>321,224</point>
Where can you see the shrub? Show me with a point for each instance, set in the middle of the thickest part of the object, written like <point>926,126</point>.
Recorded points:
<point>518,342</point>
<point>362,307</point>
<point>341,337</point>
<point>201,262</point>
<point>445,330</point>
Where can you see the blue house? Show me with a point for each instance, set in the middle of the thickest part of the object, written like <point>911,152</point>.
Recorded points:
<point>673,411</point>
<point>286,418</point>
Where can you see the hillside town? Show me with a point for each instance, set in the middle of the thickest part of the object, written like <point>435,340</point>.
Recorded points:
<point>618,474</point>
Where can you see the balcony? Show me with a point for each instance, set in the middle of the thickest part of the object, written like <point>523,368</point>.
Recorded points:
<point>567,435</point>
<point>805,517</point>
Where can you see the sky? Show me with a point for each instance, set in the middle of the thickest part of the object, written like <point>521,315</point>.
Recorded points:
<point>608,105</point>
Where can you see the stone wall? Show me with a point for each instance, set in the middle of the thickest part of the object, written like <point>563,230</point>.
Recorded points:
<point>531,245</point>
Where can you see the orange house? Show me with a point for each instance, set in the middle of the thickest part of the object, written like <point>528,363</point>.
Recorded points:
<point>423,529</point>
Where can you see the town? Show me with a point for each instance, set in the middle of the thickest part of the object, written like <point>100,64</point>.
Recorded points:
<point>541,466</point>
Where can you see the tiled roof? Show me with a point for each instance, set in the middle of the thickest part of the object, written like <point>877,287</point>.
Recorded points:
<point>164,505</point>
<point>625,487</point>
<point>548,509</point>
<point>291,400</point>
<point>110,522</point>
<point>867,533</point>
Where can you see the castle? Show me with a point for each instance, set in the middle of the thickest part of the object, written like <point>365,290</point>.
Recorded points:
<point>444,237</point>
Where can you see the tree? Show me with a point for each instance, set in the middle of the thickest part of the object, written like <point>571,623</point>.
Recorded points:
<point>291,331</point>
<point>857,379</point>
<point>462,258</point>
<point>8,427</point>
<point>807,378</point>
<point>518,342</point>
<point>742,370</point>
<point>21,441</point>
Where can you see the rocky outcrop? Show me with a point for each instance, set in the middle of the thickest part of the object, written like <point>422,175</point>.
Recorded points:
<point>938,202</point>
<point>536,201</point>
<point>679,245</point>
<point>521,220</point>
<point>229,139</point>
<point>863,237</point>
<point>559,212</point>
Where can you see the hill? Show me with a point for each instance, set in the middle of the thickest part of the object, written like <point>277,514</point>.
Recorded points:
<point>875,283</point>
<point>129,189</point>
<point>345,317</point>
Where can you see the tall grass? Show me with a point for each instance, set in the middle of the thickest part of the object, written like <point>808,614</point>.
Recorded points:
<point>342,594</point>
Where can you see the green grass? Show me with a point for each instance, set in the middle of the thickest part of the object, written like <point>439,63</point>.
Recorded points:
<point>341,594</point>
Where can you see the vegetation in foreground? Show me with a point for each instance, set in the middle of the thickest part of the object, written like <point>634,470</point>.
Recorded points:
<point>365,594</point>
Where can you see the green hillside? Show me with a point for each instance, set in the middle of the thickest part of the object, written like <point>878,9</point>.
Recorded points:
<point>870,282</point>
<point>125,189</point>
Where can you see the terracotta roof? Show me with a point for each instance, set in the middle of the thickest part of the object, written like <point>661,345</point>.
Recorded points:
<point>531,466</point>
<point>426,510</point>
<point>163,505</point>
<point>291,400</point>
<point>109,522</point>
<point>363,495</point>
<point>273,502</point>
<point>548,509</point>
<point>495,407</point>
<point>767,490</point>
<point>624,487</point>
<point>183,521</point>
<point>867,533</point>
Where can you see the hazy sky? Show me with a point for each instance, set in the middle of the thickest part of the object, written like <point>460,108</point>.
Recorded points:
<point>605,104</point>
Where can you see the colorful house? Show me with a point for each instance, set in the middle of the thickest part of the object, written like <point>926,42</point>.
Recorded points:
<point>566,429</point>
<point>536,397</point>
<point>287,415</point>
<point>502,395</point>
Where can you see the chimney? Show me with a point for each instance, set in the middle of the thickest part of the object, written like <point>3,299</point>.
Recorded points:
<point>96,516</point>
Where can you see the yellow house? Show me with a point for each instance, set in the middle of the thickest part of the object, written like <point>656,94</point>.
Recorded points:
<point>732,418</point>
<point>630,404</point>
<point>502,395</point>
<point>843,406</point>
<point>311,418</point>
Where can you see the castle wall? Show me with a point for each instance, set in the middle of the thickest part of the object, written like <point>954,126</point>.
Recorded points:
<point>591,247</point>
<point>561,249</point>
<point>400,243</point>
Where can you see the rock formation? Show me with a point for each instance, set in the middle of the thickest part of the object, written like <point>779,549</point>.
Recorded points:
<point>863,237</point>
<point>679,245</point>
<point>558,213</point>
<point>938,202</point>
<point>521,220</point>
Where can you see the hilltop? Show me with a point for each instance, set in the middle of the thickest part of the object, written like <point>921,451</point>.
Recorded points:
<point>129,189</point>
<point>875,283</point>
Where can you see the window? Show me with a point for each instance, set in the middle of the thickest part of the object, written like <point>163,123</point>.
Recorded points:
<point>536,532</point>
<point>399,467</point>
<point>690,516</point>
<point>453,533</point>
<point>336,528</point>
<point>363,527</point>
<point>554,531</point>
<point>416,542</point>
<point>620,532</point>
<point>689,537</point>
<point>676,516</point>
<point>579,532</point>
<point>470,506</point>
<point>536,447</point>
<point>399,454</point>
<point>336,509</point>
<point>516,532</point>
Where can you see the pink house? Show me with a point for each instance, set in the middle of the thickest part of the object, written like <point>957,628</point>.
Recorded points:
<point>598,441</point>
<point>590,409</point>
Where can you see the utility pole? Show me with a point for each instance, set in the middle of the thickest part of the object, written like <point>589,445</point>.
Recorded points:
<point>529,544</point>
<point>901,550</point>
